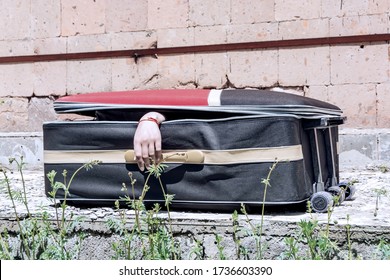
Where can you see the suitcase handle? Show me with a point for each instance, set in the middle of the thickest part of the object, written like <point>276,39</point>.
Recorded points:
<point>191,156</point>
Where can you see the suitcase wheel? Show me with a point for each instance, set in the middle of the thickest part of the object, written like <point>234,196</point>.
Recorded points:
<point>321,201</point>
<point>348,189</point>
<point>339,192</point>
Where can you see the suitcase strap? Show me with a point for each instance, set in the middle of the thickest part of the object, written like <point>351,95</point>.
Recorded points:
<point>192,156</point>
<point>233,156</point>
<point>213,157</point>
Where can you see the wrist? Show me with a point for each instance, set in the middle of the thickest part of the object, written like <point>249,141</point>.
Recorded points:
<point>153,117</point>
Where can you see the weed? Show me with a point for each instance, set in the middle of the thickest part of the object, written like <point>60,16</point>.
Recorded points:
<point>197,252</point>
<point>221,254</point>
<point>4,246</point>
<point>379,193</point>
<point>383,251</point>
<point>319,245</point>
<point>150,236</point>
<point>257,230</point>
<point>383,168</point>
<point>156,240</point>
<point>39,238</point>
<point>349,244</point>
<point>292,249</point>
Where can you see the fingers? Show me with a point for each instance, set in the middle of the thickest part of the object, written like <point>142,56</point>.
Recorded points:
<point>158,153</point>
<point>138,156</point>
<point>152,154</point>
<point>147,156</point>
<point>147,145</point>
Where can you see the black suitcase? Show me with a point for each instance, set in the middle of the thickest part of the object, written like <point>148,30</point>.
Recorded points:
<point>218,146</point>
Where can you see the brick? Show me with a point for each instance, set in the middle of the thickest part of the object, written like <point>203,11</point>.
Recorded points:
<point>175,37</point>
<point>73,117</point>
<point>298,9</point>
<point>17,47</point>
<point>308,28</point>
<point>176,71</point>
<point>359,64</point>
<point>383,95</point>
<point>252,32</point>
<point>13,114</point>
<point>359,25</point>
<point>306,66</point>
<point>209,12</point>
<point>50,45</point>
<point>16,80</point>
<point>353,8</point>
<point>167,14</point>
<point>248,11</point>
<point>124,16</point>
<point>89,43</point>
<point>88,76</point>
<point>22,114</point>
<point>206,35</point>
<point>133,40</point>
<point>128,75</point>
<point>39,110</point>
<point>358,103</point>
<point>13,104</point>
<point>50,78</point>
<point>14,19</point>
<point>211,70</point>
<point>319,92</point>
<point>253,68</point>
<point>82,17</point>
<point>46,19</point>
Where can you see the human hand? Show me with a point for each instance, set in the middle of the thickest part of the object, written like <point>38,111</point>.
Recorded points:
<point>147,140</point>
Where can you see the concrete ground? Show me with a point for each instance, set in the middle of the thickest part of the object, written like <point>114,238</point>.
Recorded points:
<point>369,206</point>
<point>368,214</point>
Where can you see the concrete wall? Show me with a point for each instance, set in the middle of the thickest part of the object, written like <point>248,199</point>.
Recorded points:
<point>99,239</point>
<point>354,77</point>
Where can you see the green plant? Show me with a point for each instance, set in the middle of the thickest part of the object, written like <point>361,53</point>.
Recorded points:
<point>379,193</point>
<point>317,240</point>
<point>383,251</point>
<point>38,237</point>
<point>349,244</point>
<point>156,240</point>
<point>221,253</point>
<point>4,246</point>
<point>150,235</point>
<point>383,168</point>
<point>241,251</point>
<point>292,252</point>
<point>257,230</point>
<point>197,252</point>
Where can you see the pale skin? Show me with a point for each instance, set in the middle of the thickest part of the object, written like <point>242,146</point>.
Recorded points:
<point>147,140</point>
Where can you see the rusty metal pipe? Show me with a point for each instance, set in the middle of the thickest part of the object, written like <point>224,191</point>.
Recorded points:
<point>136,53</point>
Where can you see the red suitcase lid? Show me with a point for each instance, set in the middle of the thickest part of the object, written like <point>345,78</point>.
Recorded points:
<point>250,100</point>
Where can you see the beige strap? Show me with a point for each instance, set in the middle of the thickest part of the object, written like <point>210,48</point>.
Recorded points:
<point>190,156</point>
<point>217,157</point>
